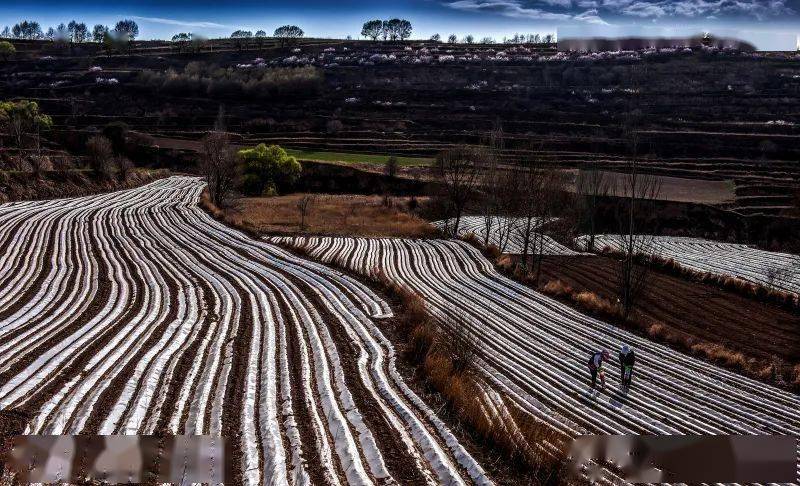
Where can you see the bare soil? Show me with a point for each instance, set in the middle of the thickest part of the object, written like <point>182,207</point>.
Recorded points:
<point>692,309</point>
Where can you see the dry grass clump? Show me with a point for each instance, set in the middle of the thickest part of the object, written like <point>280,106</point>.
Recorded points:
<point>557,288</point>
<point>445,356</point>
<point>350,215</point>
<point>492,252</point>
<point>661,332</point>
<point>721,354</point>
<point>472,239</point>
<point>504,263</point>
<point>596,304</point>
<point>590,302</point>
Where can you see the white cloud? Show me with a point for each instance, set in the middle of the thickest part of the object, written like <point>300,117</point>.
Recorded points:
<point>507,8</point>
<point>591,17</point>
<point>181,23</point>
<point>644,9</point>
<point>516,9</point>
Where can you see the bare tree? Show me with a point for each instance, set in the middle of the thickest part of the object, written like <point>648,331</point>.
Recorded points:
<point>391,166</point>
<point>219,167</point>
<point>303,205</point>
<point>100,154</point>
<point>459,170</point>
<point>39,163</point>
<point>639,190</point>
<point>539,191</point>
<point>591,186</point>
<point>490,179</point>
<point>124,166</point>
<point>529,190</point>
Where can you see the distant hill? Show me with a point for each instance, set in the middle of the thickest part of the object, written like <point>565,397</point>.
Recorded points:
<point>637,43</point>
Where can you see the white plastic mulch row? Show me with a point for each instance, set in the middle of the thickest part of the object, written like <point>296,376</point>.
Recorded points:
<point>119,314</point>
<point>780,270</point>
<point>537,349</point>
<point>507,234</point>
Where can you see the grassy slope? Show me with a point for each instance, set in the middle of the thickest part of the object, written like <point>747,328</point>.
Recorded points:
<point>329,215</point>
<point>357,158</point>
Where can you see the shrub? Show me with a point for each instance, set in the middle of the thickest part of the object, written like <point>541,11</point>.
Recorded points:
<point>22,118</point>
<point>420,343</point>
<point>201,79</point>
<point>719,353</point>
<point>597,304</point>
<point>124,166</point>
<point>7,50</point>
<point>391,166</point>
<point>267,169</point>
<point>116,132</point>
<point>100,152</point>
<point>557,288</point>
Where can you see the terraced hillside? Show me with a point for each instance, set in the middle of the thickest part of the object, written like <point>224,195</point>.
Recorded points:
<point>537,349</point>
<point>136,313</point>
<point>706,114</point>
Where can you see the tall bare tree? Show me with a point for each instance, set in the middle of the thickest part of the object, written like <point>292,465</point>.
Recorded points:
<point>638,192</point>
<point>219,166</point>
<point>591,186</point>
<point>490,180</point>
<point>529,189</point>
<point>540,192</point>
<point>303,205</point>
<point>459,170</point>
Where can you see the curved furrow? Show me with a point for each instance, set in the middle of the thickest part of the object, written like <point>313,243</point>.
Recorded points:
<point>135,312</point>
<point>536,348</point>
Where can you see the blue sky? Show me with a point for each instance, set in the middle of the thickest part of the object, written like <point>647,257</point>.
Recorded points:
<point>769,24</point>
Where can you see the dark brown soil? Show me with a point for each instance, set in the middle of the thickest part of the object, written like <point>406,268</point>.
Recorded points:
<point>693,309</point>
<point>400,464</point>
<point>112,393</point>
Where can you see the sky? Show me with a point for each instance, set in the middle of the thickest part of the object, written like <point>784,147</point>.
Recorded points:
<point>768,24</point>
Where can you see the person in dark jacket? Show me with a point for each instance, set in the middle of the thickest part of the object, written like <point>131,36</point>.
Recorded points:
<point>596,365</point>
<point>627,358</point>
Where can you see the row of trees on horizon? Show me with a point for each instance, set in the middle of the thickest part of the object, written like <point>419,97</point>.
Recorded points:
<point>128,30</point>
<point>74,32</point>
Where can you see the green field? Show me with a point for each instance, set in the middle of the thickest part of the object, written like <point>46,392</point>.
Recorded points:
<point>357,158</point>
